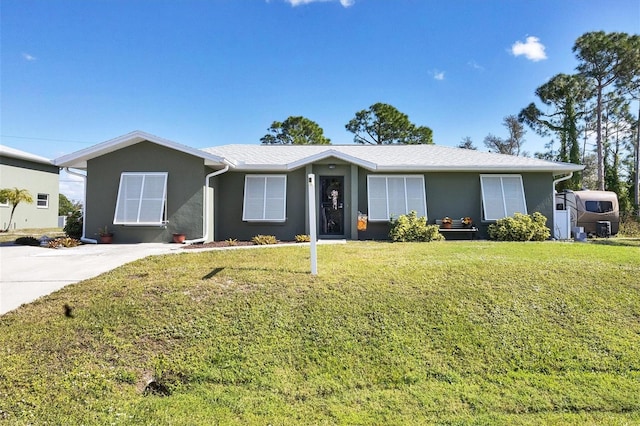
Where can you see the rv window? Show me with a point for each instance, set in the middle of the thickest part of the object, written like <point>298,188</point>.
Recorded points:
<point>598,206</point>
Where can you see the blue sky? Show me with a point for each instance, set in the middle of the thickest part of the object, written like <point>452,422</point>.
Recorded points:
<point>205,73</point>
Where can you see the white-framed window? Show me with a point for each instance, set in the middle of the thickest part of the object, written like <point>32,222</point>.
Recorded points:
<point>502,196</point>
<point>265,198</point>
<point>142,199</point>
<point>395,195</point>
<point>42,201</point>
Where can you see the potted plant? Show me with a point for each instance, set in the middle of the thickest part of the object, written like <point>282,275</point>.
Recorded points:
<point>106,236</point>
<point>446,222</point>
<point>178,237</point>
<point>467,222</point>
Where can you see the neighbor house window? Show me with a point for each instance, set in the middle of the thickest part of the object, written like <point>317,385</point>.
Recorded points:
<point>42,201</point>
<point>142,199</point>
<point>392,196</point>
<point>502,196</point>
<point>265,198</point>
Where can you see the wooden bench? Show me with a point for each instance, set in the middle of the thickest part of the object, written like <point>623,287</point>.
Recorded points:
<point>458,227</point>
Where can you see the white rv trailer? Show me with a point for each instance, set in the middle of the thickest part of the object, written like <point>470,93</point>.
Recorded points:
<point>590,209</point>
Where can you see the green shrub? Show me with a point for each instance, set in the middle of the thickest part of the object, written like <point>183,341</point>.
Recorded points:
<point>302,238</point>
<point>411,228</point>
<point>520,227</point>
<point>629,226</point>
<point>27,241</point>
<point>264,240</point>
<point>73,227</point>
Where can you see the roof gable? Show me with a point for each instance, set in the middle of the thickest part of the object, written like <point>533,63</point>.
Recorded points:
<point>79,159</point>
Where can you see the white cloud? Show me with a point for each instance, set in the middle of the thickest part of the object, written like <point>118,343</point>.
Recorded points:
<point>532,49</point>
<point>28,57</point>
<point>438,75</point>
<point>294,3</point>
<point>475,65</point>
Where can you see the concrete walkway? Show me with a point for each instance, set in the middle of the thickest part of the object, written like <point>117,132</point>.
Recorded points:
<point>27,273</point>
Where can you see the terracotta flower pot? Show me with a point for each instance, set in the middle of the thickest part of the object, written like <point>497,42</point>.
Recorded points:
<point>178,238</point>
<point>106,239</point>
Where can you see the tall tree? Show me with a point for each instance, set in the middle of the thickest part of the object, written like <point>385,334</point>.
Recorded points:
<point>618,125</point>
<point>384,124</point>
<point>14,196</point>
<point>512,145</point>
<point>295,131</point>
<point>566,95</point>
<point>630,86</point>
<point>467,143</point>
<point>606,59</point>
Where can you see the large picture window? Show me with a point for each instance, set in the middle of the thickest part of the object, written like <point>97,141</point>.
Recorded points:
<point>502,196</point>
<point>265,198</point>
<point>392,196</point>
<point>142,199</point>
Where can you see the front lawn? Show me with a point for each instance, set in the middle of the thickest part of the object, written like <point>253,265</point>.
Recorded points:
<point>449,333</point>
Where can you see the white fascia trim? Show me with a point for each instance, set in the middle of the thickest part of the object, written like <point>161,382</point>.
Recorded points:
<point>307,160</point>
<point>332,153</point>
<point>285,167</point>
<point>7,151</point>
<point>485,169</point>
<point>79,159</point>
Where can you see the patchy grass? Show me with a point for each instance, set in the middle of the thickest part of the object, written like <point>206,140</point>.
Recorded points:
<point>11,235</point>
<point>411,333</point>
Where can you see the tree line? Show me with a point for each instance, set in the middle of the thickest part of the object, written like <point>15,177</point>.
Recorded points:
<point>380,124</point>
<point>589,115</point>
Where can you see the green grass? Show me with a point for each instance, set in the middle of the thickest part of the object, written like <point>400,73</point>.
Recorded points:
<point>432,333</point>
<point>11,235</point>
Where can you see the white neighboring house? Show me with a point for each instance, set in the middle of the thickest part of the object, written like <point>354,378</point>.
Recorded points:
<point>38,175</point>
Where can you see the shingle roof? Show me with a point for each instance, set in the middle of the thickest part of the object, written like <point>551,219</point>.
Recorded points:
<point>381,158</point>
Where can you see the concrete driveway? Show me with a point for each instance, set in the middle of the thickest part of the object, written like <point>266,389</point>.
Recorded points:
<point>27,273</point>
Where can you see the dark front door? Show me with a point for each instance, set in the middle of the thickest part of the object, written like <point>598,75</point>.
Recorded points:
<point>331,205</point>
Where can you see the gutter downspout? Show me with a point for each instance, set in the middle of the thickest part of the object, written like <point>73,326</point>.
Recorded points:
<point>84,239</point>
<point>557,181</point>
<point>205,209</point>
<point>553,201</point>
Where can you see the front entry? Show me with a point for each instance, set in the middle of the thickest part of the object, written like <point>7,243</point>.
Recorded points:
<point>331,205</point>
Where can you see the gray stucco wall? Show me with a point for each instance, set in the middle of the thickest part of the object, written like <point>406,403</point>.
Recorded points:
<point>37,178</point>
<point>229,196</point>
<point>458,195</point>
<point>448,194</point>
<point>185,183</point>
